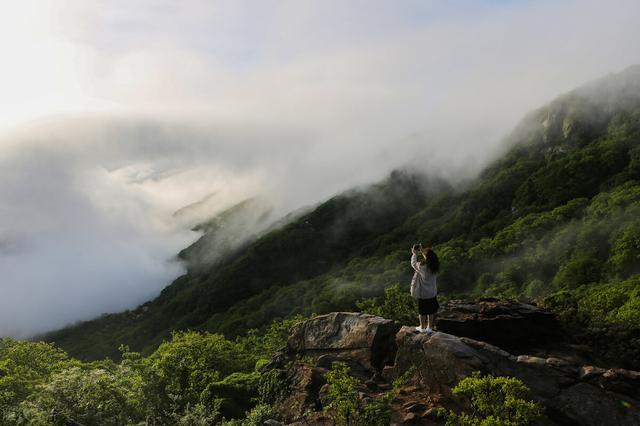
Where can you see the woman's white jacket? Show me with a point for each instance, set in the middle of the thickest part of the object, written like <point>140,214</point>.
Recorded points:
<point>423,284</point>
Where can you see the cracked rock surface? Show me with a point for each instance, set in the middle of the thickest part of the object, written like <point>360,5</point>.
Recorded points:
<point>366,339</point>
<point>377,351</point>
<point>572,394</point>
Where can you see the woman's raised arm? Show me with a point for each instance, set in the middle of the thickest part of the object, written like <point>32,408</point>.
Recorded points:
<point>414,262</point>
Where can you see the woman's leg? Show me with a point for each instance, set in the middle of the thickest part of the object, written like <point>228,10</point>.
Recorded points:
<point>431,322</point>
<point>423,321</point>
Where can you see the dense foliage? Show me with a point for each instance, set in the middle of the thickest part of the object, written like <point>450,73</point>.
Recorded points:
<point>397,304</point>
<point>494,401</point>
<point>193,379</point>
<point>348,408</point>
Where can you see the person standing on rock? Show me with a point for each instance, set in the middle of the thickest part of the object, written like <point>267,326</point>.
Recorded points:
<point>423,285</point>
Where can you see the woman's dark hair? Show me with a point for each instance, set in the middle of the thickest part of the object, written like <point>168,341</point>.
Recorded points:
<point>431,259</point>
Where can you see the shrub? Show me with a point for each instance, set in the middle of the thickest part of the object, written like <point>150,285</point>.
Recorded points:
<point>258,415</point>
<point>199,415</point>
<point>535,289</point>
<point>348,409</point>
<point>581,269</point>
<point>264,343</point>
<point>397,305</point>
<point>95,396</point>
<point>625,255</point>
<point>24,366</point>
<point>615,303</point>
<point>343,394</point>
<point>273,386</point>
<point>495,401</point>
<point>185,367</point>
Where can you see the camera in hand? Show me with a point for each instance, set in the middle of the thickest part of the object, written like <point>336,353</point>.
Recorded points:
<point>417,247</point>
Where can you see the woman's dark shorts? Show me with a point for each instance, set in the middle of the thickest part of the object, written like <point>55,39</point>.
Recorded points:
<point>428,306</point>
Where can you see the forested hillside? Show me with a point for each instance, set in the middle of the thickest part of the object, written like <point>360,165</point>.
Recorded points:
<point>555,219</point>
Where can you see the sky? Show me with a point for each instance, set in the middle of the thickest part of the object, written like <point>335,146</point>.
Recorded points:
<point>115,114</point>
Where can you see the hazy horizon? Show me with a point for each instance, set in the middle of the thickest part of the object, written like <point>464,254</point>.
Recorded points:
<point>116,115</point>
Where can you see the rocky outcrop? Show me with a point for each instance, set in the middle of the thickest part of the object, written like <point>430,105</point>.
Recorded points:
<point>365,339</point>
<point>583,395</point>
<point>509,324</point>
<point>366,343</point>
<point>572,392</point>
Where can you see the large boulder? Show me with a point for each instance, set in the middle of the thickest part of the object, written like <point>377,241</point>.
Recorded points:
<point>572,394</point>
<point>365,339</point>
<point>509,324</point>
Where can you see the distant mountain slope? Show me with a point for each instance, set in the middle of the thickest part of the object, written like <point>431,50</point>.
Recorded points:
<point>558,211</point>
<point>310,245</point>
<point>225,232</point>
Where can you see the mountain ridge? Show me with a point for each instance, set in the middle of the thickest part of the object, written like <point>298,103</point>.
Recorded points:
<point>495,234</point>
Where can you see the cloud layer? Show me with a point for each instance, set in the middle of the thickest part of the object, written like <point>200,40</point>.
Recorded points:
<point>115,116</point>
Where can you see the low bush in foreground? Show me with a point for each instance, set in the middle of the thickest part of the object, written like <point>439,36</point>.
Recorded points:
<point>494,401</point>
